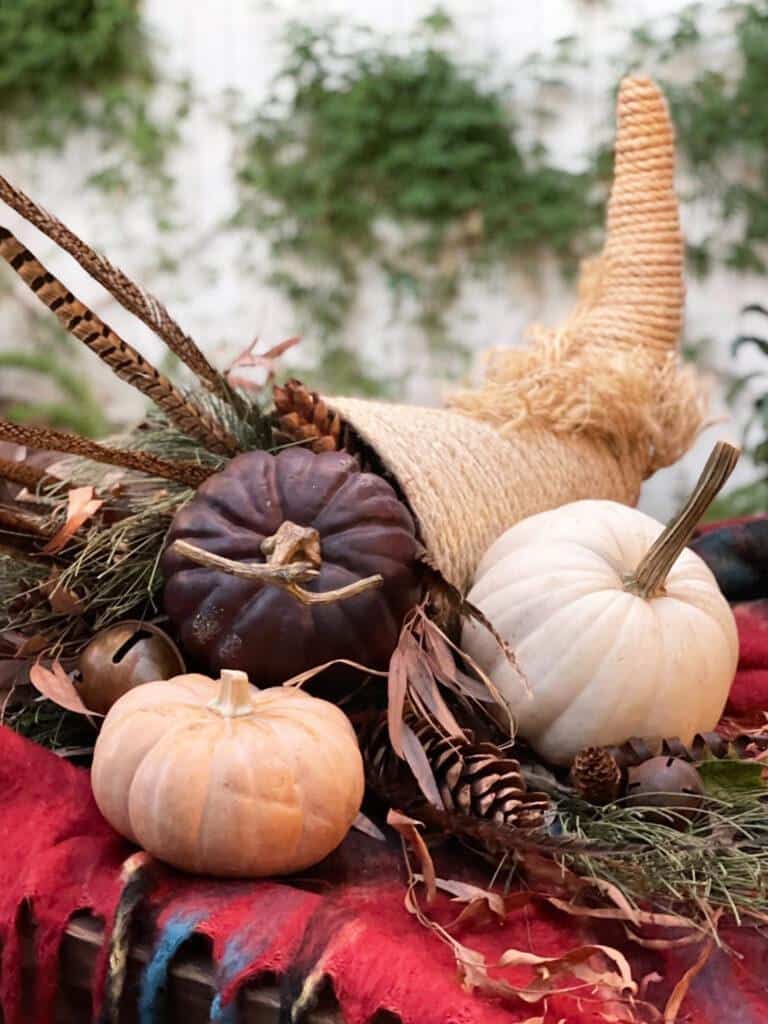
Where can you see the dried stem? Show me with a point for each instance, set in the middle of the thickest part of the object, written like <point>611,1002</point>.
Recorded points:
<point>136,300</point>
<point>648,579</point>
<point>287,577</point>
<point>45,439</point>
<point>19,521</point>
<point>120,357</point>
<point>291,544</point>
<point>23,474</point>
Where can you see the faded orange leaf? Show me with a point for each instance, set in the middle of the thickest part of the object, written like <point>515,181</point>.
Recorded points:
<point>81,505</point>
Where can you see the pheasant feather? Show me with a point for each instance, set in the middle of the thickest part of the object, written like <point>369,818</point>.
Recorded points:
<point>189,473</point>
<point>121,357</point>
<point>136,300</point>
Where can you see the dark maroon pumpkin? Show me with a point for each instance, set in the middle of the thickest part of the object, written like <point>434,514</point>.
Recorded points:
<point>226,622</point>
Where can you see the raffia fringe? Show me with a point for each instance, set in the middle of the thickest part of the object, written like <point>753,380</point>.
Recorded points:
<point>643,406</point>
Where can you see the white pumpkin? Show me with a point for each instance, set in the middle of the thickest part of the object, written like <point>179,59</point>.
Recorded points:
<point>602,661</point>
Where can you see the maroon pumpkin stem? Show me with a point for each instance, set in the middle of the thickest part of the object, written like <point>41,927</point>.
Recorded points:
<point>282,569</point>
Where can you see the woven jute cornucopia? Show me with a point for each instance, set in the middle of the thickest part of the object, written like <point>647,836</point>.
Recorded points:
<point>588,410</point>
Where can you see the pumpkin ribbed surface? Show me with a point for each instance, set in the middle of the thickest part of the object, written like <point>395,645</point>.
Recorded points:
<point>602,663</point>
<point>268,792</point>
<point>226,622</point>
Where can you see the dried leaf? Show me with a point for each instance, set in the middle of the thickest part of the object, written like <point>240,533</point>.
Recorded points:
<point>397,687</point>
<point>32,645</point>
<point>439,650</point>
<point>725,779</point>
<point>480,903</point>
<point>463,892</point>
<point>421,680</point>
<point>680,990</point>
<point>472,612</point>
<point>473,974</point>
<point>632,914</point>
<point>364,824</point>
<point>487,683</point>
<point>684,940</point>
<point>62,599</point>
<point>469,687</point>
<point>81,505</point>
<point>418,762</point>
<point>304,677</point>
<point>652,978</point>
<point>409,830</point>
<point>56,685</point>
<point>620,979</point>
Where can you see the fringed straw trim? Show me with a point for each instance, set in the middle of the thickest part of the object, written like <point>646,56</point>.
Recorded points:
<point>645,408</point>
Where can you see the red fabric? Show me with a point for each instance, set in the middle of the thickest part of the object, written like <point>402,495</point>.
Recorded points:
<point>58,856</point>
<point>345,920</point>
<point>749,692</point>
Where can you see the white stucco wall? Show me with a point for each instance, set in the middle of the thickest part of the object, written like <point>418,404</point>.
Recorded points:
<point>225,305</point>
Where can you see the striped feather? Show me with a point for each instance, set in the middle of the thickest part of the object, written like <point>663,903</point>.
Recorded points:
<point>46,439</point>
<point>138,301</point>
<point>122,358</point>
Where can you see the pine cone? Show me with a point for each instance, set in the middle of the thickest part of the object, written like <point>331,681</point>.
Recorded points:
<point>474,779</point>
<point>595,775</point>
<point>302,415</point>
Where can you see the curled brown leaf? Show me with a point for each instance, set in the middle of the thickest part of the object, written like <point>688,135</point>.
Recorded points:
<point>397,688</point>
<point>680,991</point>
<point>417,760</point>
<point>304,677</point>
<point>619,977</point>
<point>409,831</point>
<point>55,684</point>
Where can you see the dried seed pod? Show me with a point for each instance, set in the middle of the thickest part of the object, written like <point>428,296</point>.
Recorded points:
<point>667,783</point>
<point>123,656</point>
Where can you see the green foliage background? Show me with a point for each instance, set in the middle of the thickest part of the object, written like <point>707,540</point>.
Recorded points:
<point>374,135</point>
<point>397,153</point>
<point>69,68</point>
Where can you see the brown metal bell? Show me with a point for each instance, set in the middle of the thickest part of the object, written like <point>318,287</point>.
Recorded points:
<point>669,784</point>
<point>124,656</point>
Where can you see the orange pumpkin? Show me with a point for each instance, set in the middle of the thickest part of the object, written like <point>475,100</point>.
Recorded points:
<point>224,779</point>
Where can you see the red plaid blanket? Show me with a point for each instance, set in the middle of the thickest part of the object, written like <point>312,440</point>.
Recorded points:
<point>345,923</point>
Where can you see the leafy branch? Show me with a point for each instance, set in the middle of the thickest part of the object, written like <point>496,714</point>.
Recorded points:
<point>373,136</point>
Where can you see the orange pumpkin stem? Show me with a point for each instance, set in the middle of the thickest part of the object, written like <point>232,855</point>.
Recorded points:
<point>234,696</point>
<point>648,579</point>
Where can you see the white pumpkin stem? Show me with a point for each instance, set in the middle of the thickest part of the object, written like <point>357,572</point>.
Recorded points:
<point>648,579</point>
<point>234,697</point>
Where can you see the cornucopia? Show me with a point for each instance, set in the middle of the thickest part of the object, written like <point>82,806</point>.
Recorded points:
<point>417,567</point>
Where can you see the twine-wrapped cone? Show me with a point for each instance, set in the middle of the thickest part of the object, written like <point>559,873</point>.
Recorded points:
<point>588,410</point>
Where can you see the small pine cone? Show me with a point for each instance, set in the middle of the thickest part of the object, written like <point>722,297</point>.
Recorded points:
<point>302,415</point>
<point>595,775</point>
